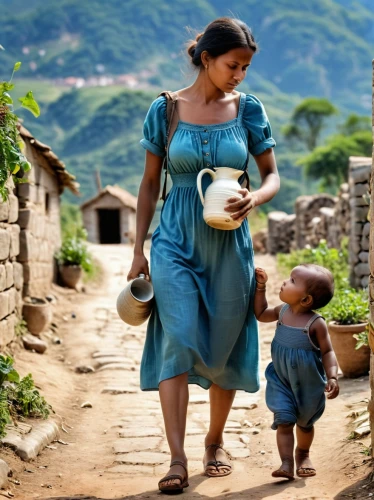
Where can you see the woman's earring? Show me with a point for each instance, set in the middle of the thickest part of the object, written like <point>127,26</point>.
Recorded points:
<point>206,66</point>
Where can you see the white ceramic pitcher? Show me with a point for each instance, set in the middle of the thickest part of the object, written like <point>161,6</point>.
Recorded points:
<point>225,185</point>
<point>135,302</point>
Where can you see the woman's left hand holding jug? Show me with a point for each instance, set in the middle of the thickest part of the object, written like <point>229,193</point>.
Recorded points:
<point>240,208</point>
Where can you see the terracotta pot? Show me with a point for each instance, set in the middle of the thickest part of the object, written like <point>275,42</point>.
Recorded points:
<point>70,275</point>
<point>371,336</point>
<point>353,363</point>
<point>37,314</point>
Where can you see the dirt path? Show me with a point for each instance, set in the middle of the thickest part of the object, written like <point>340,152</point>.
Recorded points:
<point>117,448</point>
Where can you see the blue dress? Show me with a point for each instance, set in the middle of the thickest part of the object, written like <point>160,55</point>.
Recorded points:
<point>296,380</point>
<point>203,321</point>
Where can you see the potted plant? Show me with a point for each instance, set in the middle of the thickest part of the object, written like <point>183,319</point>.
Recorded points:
<point>347,316</point>
<point>73,258</point>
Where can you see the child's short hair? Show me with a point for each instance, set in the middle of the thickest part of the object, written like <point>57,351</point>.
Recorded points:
<point>320,285</point>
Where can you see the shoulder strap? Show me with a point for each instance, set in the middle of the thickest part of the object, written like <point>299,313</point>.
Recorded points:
<point>282,311</point>
<point>312,320</point>
<point>172,123</point>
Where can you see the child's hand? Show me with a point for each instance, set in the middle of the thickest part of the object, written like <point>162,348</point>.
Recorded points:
<point>332,388</point>
<point>261,276</point>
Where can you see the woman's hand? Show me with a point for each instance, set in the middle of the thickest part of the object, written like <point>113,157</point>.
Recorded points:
<point>139,266</point>
<point>261,276</point>
<point>240,208</point>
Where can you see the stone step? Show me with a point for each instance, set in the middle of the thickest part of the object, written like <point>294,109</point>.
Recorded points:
<point>28,446</point>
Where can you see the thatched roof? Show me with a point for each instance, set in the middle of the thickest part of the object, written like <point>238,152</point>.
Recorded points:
<point>126,198</point>
<point>64,178</point>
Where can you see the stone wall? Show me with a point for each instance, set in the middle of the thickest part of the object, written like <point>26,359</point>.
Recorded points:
<point>359,178</point>
<point>39,220</point>
<point>330,218</point>
<point>11,279</point>
<point>306,209</point>
<point>371,282</point>
<point>281,232</point>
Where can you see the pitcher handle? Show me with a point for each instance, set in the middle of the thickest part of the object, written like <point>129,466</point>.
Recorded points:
<point>198,181</point>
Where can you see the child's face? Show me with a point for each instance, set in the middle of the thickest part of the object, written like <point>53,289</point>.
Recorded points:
<point>294,290</point>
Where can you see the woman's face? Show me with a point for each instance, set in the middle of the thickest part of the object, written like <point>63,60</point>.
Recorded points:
<point>228,70</point>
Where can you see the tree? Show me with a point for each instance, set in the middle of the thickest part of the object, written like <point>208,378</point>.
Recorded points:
<point>355,123</point>
<point>308,120</point>
<point>329,163</point>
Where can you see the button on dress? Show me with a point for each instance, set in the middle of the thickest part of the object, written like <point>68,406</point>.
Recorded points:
<point>203,321</point>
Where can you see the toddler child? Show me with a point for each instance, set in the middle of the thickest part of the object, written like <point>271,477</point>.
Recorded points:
<point>303,365</point>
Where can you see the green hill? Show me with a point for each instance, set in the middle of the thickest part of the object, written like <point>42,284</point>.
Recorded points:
<point>322,48</point>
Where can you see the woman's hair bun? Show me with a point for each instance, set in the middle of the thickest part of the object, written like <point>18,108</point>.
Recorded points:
<point>199,36</point>
<point>191,49</point>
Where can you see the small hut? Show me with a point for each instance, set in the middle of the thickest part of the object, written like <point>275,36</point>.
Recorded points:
<point>110,216</point>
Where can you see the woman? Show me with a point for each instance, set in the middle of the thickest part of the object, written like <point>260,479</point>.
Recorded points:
<point>203,329</point>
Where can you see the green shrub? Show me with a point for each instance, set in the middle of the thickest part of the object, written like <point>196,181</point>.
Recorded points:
<point>347,307</point>
<point>333,259</point>
<point>71,220</point>
<point>25,399</point>
<point>18,398</point>
<point>74,251</point>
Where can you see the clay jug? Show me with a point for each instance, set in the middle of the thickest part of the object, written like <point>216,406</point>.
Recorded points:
<point>224,186</point>
<point>135,302</point>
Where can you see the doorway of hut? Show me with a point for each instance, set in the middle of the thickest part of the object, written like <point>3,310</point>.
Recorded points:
<point>109,225</point>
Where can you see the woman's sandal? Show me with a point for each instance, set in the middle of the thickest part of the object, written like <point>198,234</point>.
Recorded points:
<point>174,488</point>
<point>216,463</point>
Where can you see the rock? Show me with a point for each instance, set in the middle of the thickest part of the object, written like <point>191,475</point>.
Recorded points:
<point>246,423</point>
<point>119,390</point>
<point>28,446</point>
<point>84,369</point>
<point>136,445</point>
<point>244,439</point>
<point>141,432</point>
<point>4,471</point>
<point>86,404</point>
<point>255,431</point>
<point>143,458</point>
<point>34,344</point>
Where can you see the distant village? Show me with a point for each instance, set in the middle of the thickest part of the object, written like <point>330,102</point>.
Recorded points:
<point>128,80</point>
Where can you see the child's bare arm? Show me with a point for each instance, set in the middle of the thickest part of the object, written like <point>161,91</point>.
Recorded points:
<point>330,364</point>
<point>261,309</point>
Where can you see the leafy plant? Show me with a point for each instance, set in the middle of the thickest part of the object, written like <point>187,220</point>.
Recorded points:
<point>362,339</point>
<point>12,160</point>
<point>21,328</point>
<point>26,400</point>
<point>348,307</point>
<point>5,418</point>
<point>336,260</point>
<point>7,372</point>
<point>74,252</point>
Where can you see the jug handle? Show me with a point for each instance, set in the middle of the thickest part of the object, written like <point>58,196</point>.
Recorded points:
<point>199,177</point>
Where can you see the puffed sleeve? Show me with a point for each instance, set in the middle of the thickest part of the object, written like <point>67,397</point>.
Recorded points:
<point>256,122</point>
<point>154,129</point>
